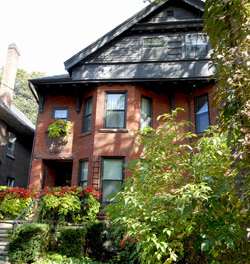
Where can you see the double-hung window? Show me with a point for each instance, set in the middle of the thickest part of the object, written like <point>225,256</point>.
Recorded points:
<point>202,121</point>
<point>11,144</point>
<point>115,116</point>
<point>112,176</point>
<point>87,115</point>
<point>146,112</point>
<point>83,173</point>
<point>61,113</point>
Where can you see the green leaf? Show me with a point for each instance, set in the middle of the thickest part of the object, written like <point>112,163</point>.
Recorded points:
<point>205,245</point>
<point>229,243</point>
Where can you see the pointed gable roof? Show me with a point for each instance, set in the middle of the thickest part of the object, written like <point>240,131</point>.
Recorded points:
<point>117,31</point>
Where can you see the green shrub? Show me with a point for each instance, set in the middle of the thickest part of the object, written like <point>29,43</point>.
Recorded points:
<point>70,241</point>
<point>94,240</point>
<point>185,208</point>
<point>28,242</point>
<point>56,258</point>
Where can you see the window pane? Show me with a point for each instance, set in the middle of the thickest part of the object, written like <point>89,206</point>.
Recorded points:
<point>11,144</point>
<point>115,119</point>
<point>87,124</point>
<point>61,113</point>
<point>145,106</point>
<point>112,169</point>
<point>110,187</point>
<point>190,39</point>
<point>10,182</point>
<point>202,122</point>
<point>84,171</point>
<point>89,107</point>
<point>145,112</point>
<point>145,120</point>
<point>115,101</point>
<point>201,104</point>
<point>87,116</point>
<point>202,113</point>
<point>153,42</point>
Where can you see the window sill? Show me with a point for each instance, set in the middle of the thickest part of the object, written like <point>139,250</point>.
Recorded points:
<point>113,130</point>
<point>10,156</point>
<point>85,134</point>
<point>200,134</point>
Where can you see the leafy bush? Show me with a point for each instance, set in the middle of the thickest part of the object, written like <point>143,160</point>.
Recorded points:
<point>72,204</point>
<point>185,207</point>
<point>28,242</point>
<point>55,258</point>
<point>70,241</point>
<point>94,240</point>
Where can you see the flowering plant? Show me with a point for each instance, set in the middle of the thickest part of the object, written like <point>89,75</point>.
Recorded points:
<point>57,127</point>
<point>76,204</point>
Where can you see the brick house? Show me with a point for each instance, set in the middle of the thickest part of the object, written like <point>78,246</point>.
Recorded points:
<point>153,62</point>
<point>16,131</point>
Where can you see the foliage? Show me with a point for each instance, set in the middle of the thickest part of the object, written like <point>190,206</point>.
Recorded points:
<point>28,242</point>
<point>94,240</point>
<point>75,204</point>
<point>55,258</point>
<point>23,98</point>
<point>227,24</point>
<point>72,204</point>
<point>13,201</point>
<point>184,207</point>
<point>58,127</point>
<point>70,241</point>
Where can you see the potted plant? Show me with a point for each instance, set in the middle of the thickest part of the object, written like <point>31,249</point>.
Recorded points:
<point>59,128</point>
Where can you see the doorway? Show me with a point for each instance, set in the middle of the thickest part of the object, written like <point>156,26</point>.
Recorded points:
<point>63,173</point>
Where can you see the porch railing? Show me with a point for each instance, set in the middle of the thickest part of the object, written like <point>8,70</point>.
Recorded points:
<point>24,211</point>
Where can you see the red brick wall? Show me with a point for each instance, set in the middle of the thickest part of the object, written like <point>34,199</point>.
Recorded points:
<point>98,142</point>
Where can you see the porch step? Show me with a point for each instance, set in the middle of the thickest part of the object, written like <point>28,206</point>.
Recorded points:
<point>5,225</point>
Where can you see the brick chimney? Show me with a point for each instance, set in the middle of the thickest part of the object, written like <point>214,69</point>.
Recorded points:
<point>9,75</point>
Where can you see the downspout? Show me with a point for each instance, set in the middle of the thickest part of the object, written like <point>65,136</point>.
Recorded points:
<point>189,115</point>
<point>33,146</point>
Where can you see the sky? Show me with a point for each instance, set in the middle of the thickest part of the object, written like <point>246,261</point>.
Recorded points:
<point>48,32</point>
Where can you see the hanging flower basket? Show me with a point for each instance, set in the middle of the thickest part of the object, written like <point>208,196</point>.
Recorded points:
<point>58,128</point>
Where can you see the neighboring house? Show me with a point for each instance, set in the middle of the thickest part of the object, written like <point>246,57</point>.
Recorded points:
<point>155,61</point>
<point>16,131</point>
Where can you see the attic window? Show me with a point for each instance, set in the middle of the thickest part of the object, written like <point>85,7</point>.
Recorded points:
<point>157,42</point>
<point>170,13</point>
<point>196,45</point>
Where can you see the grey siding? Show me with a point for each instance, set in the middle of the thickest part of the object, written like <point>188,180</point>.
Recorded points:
<point>179,14</point>
<point>129,49</point>
<point>123,49</point>
<point>167,70</point>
